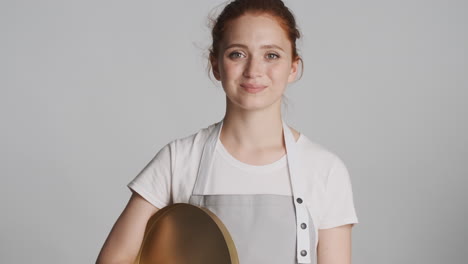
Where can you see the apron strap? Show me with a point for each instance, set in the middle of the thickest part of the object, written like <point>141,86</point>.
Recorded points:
<point>207,159</point>
<point>298,190</point>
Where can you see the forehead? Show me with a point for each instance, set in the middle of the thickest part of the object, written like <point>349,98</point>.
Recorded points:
<point>255,30</point>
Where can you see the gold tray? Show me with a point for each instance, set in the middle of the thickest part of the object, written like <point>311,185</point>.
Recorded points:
<point>186,234</point>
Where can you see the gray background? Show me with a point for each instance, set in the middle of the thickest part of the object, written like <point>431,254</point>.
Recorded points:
<point>91,90</point>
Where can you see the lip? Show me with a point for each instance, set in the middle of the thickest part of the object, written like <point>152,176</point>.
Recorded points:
<point>252,88</point>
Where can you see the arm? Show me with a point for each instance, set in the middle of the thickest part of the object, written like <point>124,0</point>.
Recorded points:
<point>125,238</point>
<point>334,246</point>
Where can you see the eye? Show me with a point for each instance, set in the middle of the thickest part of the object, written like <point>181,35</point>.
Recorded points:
<point>235,55</point>
<point>272,56</point>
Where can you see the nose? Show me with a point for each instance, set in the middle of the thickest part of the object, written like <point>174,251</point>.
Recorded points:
<point>253,68</point>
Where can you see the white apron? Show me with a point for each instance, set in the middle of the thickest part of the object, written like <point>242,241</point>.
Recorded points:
<point>265,228</point>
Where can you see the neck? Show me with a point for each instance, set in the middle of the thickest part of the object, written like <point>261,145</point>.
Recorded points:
<point>252,129</point>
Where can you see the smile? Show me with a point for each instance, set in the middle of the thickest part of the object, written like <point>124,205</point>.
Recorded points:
<point>252,88</point>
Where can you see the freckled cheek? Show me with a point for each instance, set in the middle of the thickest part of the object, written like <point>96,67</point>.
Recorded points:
<point>277,73</point>
<point>232,70</point>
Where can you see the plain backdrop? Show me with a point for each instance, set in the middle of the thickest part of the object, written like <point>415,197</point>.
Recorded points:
<point>91,90</point>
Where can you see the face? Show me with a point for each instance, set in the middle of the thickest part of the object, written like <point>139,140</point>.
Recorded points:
<point>255,63</point>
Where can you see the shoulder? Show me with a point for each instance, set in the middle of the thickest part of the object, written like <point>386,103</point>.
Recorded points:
<point>318,161</point>
<point>315,151</point>
<point>189,146</point>
<point>194,140</point>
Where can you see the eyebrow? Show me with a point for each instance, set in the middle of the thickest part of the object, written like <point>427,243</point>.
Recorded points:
<point>270,46</point>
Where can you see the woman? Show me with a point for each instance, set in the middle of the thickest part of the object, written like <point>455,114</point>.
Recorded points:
<point>283,198</point>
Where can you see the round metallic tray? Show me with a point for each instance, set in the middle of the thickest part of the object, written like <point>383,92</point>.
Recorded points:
<point>186,234</point>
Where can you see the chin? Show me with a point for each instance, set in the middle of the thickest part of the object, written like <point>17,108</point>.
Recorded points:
<point>252,104</point>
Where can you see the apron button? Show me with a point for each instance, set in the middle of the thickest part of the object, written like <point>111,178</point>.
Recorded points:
<point>303,226</point>
<point>299,200</point>
<point>303,253</point>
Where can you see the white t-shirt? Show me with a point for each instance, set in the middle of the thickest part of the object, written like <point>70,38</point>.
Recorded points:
<point>231,176</point>
<point>170,176</point>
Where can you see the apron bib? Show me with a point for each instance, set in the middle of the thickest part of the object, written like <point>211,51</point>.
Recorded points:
<point>265,228</point>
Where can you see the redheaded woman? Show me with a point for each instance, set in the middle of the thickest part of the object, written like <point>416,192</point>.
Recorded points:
<point>284,198</point>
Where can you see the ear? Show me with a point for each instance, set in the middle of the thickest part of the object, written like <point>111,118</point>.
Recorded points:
<point>215,68</point>
<point>293,72</point>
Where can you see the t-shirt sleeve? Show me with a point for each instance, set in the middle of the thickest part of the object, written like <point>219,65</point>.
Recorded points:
<point>153,182</point>
<point>338,203</point>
